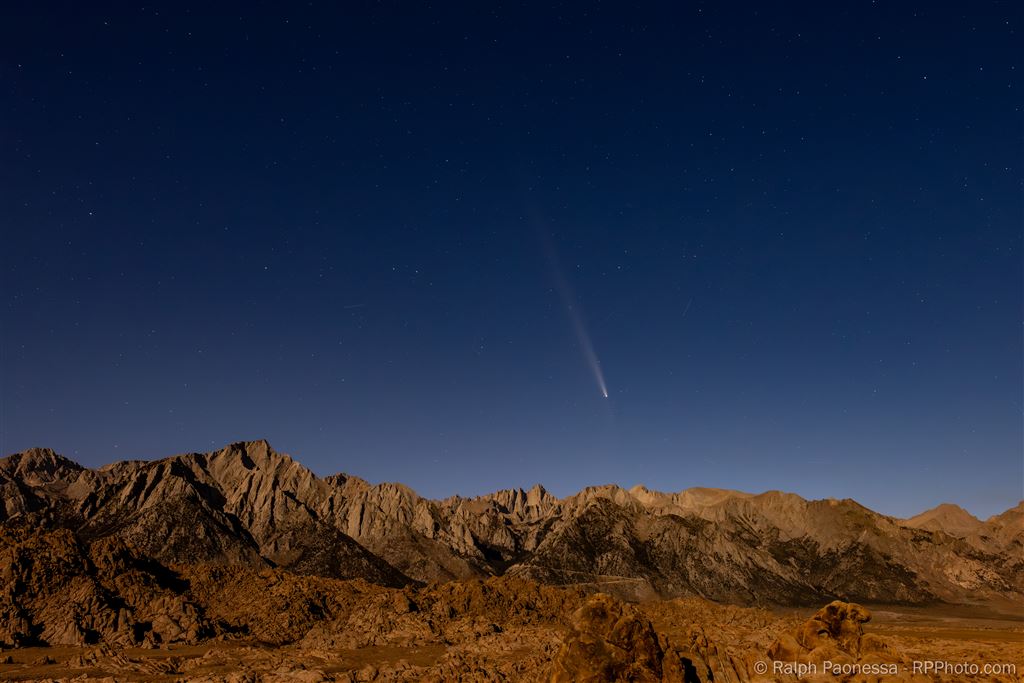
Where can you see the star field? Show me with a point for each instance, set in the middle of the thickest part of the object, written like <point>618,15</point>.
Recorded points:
<point>791,237</point>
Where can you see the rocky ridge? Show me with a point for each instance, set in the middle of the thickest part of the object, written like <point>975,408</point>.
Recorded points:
<point>250,506</point>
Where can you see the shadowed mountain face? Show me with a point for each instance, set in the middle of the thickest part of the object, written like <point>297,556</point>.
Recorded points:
<point>248,505</point>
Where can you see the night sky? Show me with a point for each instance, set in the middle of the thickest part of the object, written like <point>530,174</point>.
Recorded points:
<point>414,243</point>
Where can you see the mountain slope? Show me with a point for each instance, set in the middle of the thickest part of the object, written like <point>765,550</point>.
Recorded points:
<point>244,504</point>
<point>249,505</point>
<point>948,518</point>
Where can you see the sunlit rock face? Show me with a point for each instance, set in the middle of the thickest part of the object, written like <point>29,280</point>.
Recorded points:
<point>249,505</point>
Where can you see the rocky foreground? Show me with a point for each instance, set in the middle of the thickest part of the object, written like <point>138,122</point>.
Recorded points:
<point>109,614</point>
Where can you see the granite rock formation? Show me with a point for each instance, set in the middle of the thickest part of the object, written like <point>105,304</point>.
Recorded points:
<point>247,505</point>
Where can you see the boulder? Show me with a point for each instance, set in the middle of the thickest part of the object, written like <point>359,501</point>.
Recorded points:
<point>612,641</point>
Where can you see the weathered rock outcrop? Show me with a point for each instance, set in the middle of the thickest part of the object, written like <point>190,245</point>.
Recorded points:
<point>835,633</point>
<point>611,641</point>
<point>273,625</point>
<point>54,591</point>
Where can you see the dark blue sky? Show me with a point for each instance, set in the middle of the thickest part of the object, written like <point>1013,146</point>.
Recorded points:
<point>792,234</point>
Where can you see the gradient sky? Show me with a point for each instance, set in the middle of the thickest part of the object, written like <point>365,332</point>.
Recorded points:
<point>791,235</point>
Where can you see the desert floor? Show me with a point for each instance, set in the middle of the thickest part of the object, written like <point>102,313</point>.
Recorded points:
<point>946,633</point>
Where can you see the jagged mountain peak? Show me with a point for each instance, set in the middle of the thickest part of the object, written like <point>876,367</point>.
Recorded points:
<point>253,454</point>
<point>519,501</point>
<point>40,466</point>
<point>341,479</point>
<point>248,504</point>
<point>243,455</point>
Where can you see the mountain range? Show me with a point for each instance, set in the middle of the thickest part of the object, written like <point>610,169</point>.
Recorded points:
<point>249,505</point>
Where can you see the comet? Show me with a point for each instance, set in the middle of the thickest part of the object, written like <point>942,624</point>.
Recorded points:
<point>586,345</point>
<point>575,314</point>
